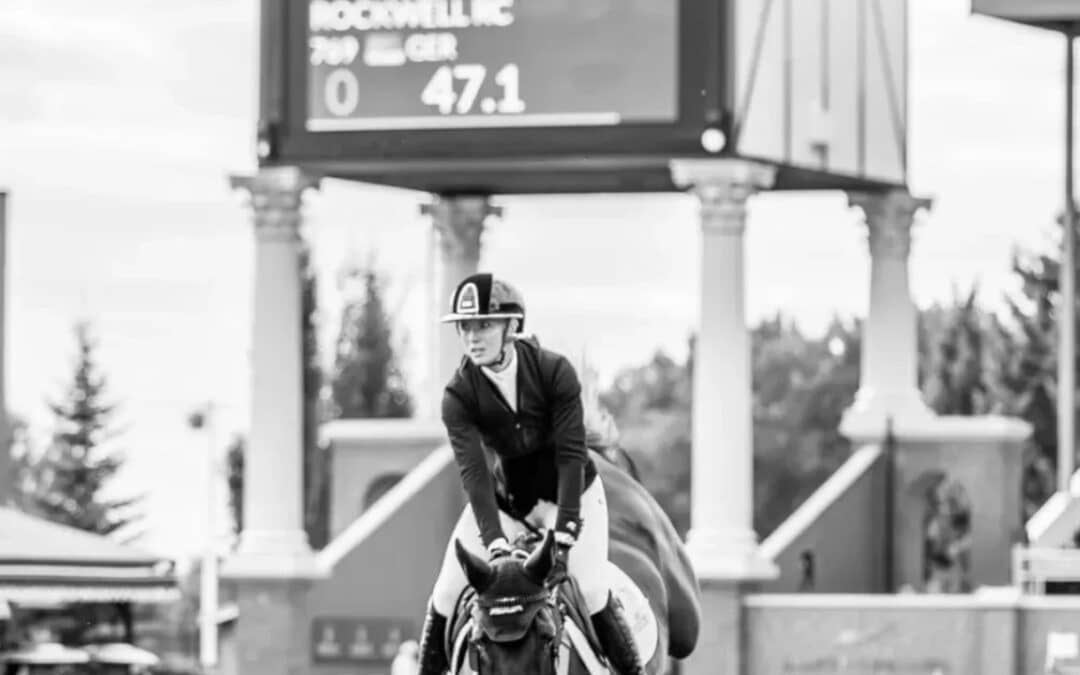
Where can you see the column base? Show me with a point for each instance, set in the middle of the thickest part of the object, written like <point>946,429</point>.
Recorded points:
<point>869,417</point>
<point>728,556</point>
<point>720,648</point>
<point>273,633</point>
<point>272,554</point>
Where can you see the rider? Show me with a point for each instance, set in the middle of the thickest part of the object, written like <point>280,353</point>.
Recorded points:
<point>519,406</point>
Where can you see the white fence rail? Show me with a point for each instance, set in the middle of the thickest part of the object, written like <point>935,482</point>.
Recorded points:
<point>1033,567</point>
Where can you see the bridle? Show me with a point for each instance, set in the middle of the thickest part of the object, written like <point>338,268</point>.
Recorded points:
<point>511,615</point>
<point>545,602</point>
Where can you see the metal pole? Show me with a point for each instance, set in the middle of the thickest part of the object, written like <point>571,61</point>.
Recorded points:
<point>432,386</point>
<point>891,498</point>
<point>208,596</point>
<point>1066,412</point>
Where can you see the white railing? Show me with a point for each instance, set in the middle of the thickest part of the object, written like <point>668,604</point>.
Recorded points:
<point>1033,567</point>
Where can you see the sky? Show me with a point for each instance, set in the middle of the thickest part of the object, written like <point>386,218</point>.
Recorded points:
<point>120,123</point>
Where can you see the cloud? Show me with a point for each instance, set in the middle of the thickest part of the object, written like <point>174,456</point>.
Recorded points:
<point>40,44</point>
<point>51,41</point>
<point>138,80</point>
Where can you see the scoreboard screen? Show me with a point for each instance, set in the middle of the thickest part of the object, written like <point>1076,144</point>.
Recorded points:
<point>1035,11</point>
<point>439,64</point>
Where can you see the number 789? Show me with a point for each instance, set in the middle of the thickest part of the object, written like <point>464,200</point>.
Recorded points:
<point>441,93</point>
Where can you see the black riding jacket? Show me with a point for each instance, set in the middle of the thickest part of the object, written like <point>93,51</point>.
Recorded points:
<point>536,453</point>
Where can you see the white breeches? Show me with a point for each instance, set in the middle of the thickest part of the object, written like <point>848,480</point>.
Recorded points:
<point>588,557</point>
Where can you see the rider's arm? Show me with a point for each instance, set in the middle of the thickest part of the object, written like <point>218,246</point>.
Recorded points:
<point>475,475</point>
<point>568,433</point>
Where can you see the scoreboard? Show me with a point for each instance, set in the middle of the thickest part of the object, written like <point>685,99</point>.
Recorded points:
<point>580,96</point>
<point>492,96</point>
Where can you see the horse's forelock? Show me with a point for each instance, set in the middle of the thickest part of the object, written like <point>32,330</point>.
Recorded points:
<point>510,580</point>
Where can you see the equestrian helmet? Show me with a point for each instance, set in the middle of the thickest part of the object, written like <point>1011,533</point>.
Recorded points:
<point>483,296</point>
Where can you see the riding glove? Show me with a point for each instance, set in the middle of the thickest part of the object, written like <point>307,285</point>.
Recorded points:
<point>563,543</point>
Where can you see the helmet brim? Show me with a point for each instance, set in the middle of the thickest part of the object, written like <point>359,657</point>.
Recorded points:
<point>454,318</point>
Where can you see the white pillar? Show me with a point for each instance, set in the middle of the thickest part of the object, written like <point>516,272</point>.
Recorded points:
<point>722,542</point>
<point>7,483</point>
<point>888,384</point>
<point>458,223</point>
<point>273,542</point>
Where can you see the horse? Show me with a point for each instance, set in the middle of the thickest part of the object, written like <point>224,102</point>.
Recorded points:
<point>514,618</point>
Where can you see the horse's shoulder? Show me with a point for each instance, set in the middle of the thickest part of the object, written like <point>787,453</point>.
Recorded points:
<point>635,518</point>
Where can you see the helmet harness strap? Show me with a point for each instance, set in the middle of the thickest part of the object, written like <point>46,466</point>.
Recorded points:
<point>502,346</point>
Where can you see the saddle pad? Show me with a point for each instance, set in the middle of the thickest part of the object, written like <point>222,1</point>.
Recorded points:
<point>636,609</point>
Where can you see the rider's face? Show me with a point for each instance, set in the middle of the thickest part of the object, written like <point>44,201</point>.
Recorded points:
<point>482,339</point>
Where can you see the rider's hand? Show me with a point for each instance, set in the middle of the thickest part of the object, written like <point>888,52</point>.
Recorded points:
<point>560,568</point>
<point>498,549</point>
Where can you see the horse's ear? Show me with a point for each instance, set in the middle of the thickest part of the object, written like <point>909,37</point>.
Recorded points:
<point>539,563</point>
<point>477,570</point>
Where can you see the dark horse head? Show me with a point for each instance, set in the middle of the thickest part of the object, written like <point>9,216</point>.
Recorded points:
<point>515,622</point>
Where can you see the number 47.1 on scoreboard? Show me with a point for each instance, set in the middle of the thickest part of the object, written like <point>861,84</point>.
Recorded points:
<point>441,93</point>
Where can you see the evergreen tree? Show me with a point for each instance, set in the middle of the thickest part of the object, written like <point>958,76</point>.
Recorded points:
<point>956,347</point>
<point>368,381</point>
<point>72,475</point>
<point>1024,373</point>
<point>316,469</point>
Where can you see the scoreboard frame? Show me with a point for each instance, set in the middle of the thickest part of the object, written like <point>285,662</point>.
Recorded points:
<point>513,159</point>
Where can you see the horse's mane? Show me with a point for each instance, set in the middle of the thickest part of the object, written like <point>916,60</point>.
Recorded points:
<point>618,457</point>
<point>601,431</point>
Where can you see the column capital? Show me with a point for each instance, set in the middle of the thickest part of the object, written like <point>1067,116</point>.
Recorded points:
<point>276,196</point>
<point>889,217</point>
<point>459,222</point>
<point>722,187</point>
